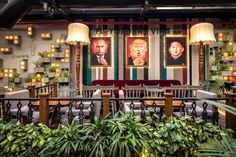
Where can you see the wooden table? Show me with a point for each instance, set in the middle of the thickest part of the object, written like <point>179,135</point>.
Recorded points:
<point>161,103</point>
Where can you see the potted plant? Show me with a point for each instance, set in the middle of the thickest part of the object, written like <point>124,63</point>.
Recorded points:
<point>15,78</point>
<point>44,57</point>
<point>51,71</point>
<point>38,67</point>
<point>64,76</point>
<point>27,81</point>
<point>218,69</point>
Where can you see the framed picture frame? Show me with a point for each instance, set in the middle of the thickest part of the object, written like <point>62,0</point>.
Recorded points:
<point>176,51</point>
<point>100,52</point>
<point>137,52</point>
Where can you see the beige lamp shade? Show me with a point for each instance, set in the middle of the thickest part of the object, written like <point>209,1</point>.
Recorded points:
<point>203,32</point>
<point>78,33</point>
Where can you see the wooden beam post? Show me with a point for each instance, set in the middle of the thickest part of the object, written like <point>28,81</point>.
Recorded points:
<point>31,91</point>
<point>230,119</point>
<point>44,108</point>
<point>169,104</point>
<point>54,94</point>
<point>106,103</point>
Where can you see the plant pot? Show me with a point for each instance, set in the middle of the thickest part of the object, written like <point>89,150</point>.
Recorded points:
<point>64,66</point>
<point>213,67</point>
<point>58,55</point>
<point>51,74</point>
<point>63,80</point>
<point>44,60</point>
<point>17,80</point>
<point>39,70</point>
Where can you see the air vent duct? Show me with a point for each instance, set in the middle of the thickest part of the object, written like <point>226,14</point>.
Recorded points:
<point>13,11</point>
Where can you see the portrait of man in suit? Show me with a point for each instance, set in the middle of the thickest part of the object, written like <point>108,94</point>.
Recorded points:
<point>100,51</point>
<point>137,51</point>
<point>176,55</point>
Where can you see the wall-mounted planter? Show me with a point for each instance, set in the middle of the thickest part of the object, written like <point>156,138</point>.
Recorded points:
<point>59,55</point>
<point>63,80</point>
<point>213,67</point>
<point>17,80</point>
<point>44,60</point>
<point>39,70</point>
<point>64,66</point>
<point>51,74</point>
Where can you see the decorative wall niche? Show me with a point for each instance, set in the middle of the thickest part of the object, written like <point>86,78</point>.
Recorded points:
<point>13,39</point>
<point>6,50</point>
<point>24,64</point>
<point>9,72</point>
<point>46,36</point>
<point>30,30</point>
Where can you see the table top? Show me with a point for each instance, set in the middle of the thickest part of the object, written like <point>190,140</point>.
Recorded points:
<point>54,102</point>
<point>161,103</point>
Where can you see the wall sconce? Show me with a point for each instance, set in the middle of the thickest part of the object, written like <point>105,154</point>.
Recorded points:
<point>6,50</point>
<point>30,30</point>
<point>46,36</point>
<point>24,64</point>
<point>13,39</point>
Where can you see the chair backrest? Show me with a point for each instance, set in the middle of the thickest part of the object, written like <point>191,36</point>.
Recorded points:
<point>18,94</point>
<point>133,91</point>
<point>154,91</point>
<point>178,91</point>
<point>183,91</point>
<point>87,91</point>
<point>108,89</point>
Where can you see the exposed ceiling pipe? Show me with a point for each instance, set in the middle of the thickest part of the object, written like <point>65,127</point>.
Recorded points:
<point>139,3</point>
<point>127,23</point>
<point>13,11</point>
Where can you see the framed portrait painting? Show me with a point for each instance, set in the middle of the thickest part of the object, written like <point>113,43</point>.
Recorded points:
<point>176,51</point>
<point>137,54</point>
<point>100,52</point>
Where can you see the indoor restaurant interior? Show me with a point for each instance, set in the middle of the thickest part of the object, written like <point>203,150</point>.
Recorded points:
<point>117,78</point>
